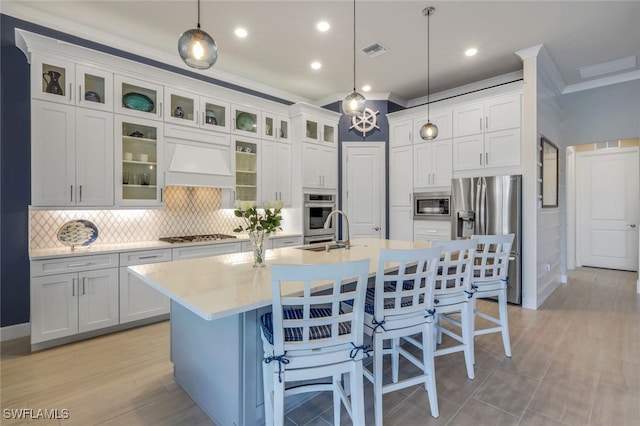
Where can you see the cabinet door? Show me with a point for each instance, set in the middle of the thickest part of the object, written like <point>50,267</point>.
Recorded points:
<point>401,176</point>
<point>329,168</point>
<point>53,79</point>
<point>269,126</point>
<point>214,114</point>
<point>502,113</point>
<point>247,168</point>
<point>442,119</point>
<point>400,133</point>
<point>52,154</point>
<point>181,107</point>
<point>276,172</point>
<point>137,98</point>
<point>246,121</point>
<point>502,148</point>
<point>443,163</point>
<point>54,307</point>
<point>283,131</point>
<point>311,155</point>
<point>98,303</point>
<point>94,158</point>
<point>468,120</point>
<point>95,88</point>
<point>468,152</point>
<point>422,164</point>
<point>329,133</point>
<point>139,171</point>
<point>401,223</point>
<point>139,300</point>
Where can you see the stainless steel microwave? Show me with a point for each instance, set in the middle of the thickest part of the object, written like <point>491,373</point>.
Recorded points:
<point>432,205</point>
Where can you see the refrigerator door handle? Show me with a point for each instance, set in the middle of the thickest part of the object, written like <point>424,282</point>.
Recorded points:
<point>483,207</point>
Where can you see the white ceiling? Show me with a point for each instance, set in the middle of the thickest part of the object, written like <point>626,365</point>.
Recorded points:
<point>283,40</point>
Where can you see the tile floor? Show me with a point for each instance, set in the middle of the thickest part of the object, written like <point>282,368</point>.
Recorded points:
<point>576,361</point>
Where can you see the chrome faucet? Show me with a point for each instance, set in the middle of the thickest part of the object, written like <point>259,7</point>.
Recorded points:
<point>327,223</point>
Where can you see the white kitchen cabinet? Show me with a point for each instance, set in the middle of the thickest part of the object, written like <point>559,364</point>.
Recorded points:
<point>71,83</point>
<point>139,162</point>
<point>401,223</point>
<point>432,163</point>
<point>70,303</point>
<point>431,230</point>
<point>487,151</point>
<point>319,167</point>
<point>276,172</point>
<point>401,193</point>
<point>442,119</point>
<point>246,121</point>
<point>192,252</point>
<point>280,242</point>
<point>190,109</point>
<point>247,168</point>
<point>71,156</point>
<point>139,300</point>
<point>317,130</point>
<point>137,98</point>
<point>276,127</point>
<point>400,133</point>
<point>494,114</point>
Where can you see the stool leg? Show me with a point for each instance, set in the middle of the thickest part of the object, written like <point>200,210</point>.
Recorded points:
<point>467,339</point>
<point>357,394</point>
<point>395,359</point>
<point>337,404</point>
<point>278,401</point>
<point>377,377</point>
<point>429,369</point>
<point>267,386</point>
<point>504,322</point>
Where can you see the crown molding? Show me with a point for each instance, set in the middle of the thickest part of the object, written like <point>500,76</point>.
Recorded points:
<point>602,82</point>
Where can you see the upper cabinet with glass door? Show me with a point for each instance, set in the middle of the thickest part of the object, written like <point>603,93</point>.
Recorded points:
<point>137,98</point>
<point>320,131</point>
<point>190,109</point>
<point>246,121</point>
<point>276,127</point>
<point>71,83</point>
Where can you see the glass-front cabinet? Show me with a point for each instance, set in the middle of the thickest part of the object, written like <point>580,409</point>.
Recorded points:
<point>95,88</point>
<point>137,98</point>
<point>247,169</point>
<point>319,131</point>
<point>276,127</point>
<point>139,169</point>
<point>214,114</point>
<point>181,107</point>
<point>246,121</point>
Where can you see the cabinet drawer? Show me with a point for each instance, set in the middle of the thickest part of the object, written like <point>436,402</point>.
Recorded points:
<point>431,230</point>
<point>72,264</point>
<point>145,256</point>
<point>192,252</point>
<point>287,242</point>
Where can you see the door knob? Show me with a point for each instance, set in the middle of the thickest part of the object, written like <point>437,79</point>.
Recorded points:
<point>633,225</point>
<point>377,228</point>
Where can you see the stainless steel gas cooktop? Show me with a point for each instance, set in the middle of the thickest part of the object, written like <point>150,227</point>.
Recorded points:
<point>196,238</point>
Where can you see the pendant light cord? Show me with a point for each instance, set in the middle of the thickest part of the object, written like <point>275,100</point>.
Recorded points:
<point>198,14</point>
<point>428,67</point>
<point>354,45</point>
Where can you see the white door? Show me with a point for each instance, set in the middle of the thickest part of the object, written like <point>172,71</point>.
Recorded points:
<point>363,197</point>
<point>608,209</point>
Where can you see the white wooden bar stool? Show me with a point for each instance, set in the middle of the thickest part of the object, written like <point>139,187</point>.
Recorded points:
<point>401,305</point>
<point>313,335</point>
<point>490,271</point>
<point>453,295</point>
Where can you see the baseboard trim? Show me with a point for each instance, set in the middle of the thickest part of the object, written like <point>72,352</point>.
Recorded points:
<point>11,332</point>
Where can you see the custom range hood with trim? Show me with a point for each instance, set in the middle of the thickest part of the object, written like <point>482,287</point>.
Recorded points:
<point>197,158</point>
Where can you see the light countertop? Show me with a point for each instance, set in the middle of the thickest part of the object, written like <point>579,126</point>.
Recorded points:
<point>218,286</point>
<point>47,253</point>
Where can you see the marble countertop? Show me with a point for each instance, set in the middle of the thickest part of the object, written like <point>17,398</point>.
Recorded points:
<point>218,286</point>
<point>48,253</point>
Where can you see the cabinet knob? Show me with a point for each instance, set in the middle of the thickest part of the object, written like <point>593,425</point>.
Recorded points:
<point>377,228</point>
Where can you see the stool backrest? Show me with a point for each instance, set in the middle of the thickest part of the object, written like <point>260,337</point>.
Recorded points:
<point>492,257</point>
<point>455,267</point>
<point>405,284</point>
<point>318,322</point>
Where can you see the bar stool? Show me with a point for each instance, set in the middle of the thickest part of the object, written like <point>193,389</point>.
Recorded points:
<point>401,305</point>
<point>490,271</point>
<point>312,334</point>
<point>453,295</point>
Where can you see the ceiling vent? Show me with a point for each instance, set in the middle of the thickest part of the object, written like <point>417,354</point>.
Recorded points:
<point>607,145</point>
<point>375,49</point>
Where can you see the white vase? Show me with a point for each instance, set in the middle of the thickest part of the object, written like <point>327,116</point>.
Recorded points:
<point>259,241</point>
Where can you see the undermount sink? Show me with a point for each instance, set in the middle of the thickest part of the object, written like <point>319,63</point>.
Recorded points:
<point>322,246</point>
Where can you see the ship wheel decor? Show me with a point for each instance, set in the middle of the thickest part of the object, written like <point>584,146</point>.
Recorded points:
<point>365,122</point>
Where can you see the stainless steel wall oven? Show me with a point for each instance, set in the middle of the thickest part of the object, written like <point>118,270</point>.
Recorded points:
<point>315,212</point>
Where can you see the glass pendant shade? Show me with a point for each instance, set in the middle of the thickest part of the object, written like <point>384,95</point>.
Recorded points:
<point>429,131</point>
<point>354,104</point>
<point>197,49</point>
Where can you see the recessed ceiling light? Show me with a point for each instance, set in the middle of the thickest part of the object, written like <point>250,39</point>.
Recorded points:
<point>241,32</point>
<point>366,88</point>
<point>316,65</point>
<point>323,26</point>
<point>471,52</point>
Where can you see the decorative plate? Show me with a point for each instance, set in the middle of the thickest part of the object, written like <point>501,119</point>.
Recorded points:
<point>77,233</point>
<point>137,101</point>
<point>245,122</point>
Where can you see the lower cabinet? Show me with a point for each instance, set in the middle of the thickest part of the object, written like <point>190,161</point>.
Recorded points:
<point>431,230</point>
<point>138,300</point>
<point>401,223</point>
<point>66,304</point>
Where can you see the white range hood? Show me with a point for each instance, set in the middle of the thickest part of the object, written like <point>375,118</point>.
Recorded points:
<point>197,158</point>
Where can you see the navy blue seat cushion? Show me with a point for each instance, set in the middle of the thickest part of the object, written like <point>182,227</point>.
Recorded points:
<point>295,334</point>
<point>370,298</point>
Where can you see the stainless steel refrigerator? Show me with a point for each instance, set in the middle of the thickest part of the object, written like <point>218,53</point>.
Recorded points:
<point>486,206</point>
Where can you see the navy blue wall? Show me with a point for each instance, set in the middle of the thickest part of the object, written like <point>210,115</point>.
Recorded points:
<point>15,179</point>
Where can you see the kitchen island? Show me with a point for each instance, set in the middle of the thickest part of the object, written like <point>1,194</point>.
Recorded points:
<point>215,306</point>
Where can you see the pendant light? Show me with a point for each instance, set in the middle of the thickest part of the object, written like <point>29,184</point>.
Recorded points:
<point>197,48</point>
<point>429,131</point>
<point>354,104</point>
